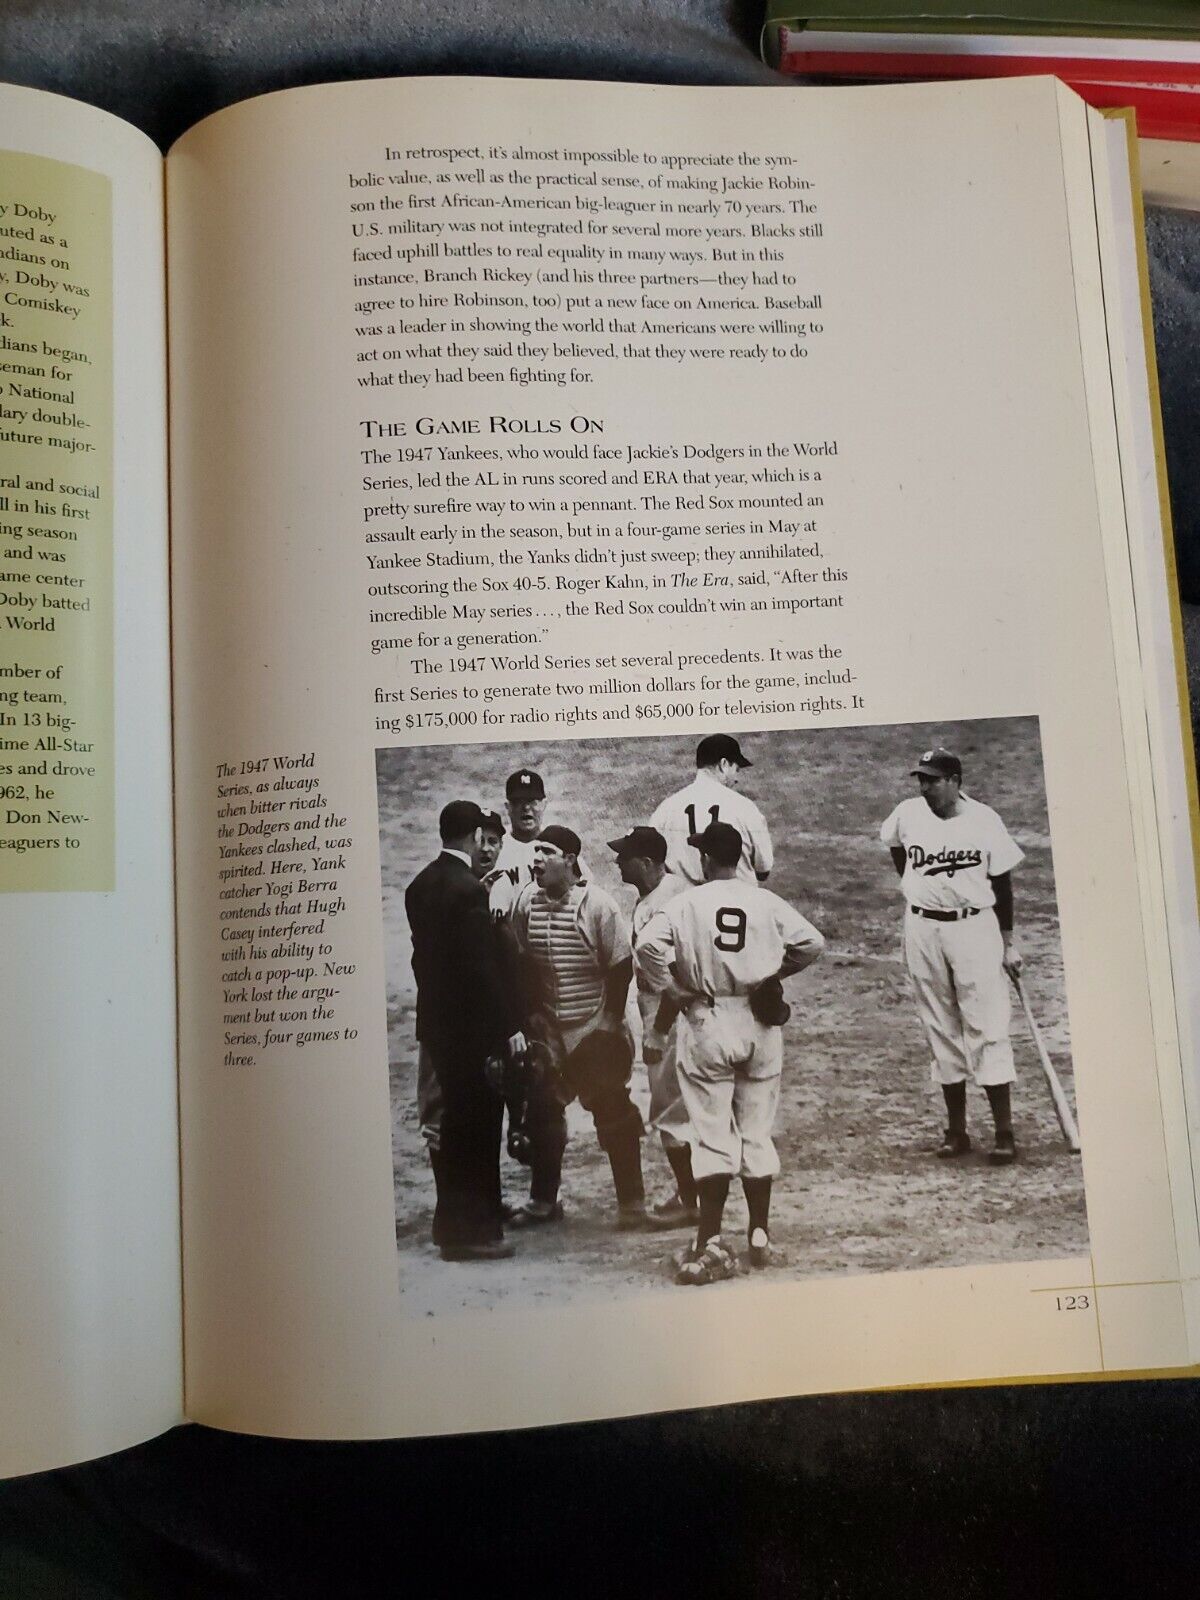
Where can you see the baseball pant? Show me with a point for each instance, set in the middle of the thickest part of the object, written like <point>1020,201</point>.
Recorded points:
<point>668,1114</point>
<point>617,1120</point>
<point>729,1075</point>
<point>962,997</point>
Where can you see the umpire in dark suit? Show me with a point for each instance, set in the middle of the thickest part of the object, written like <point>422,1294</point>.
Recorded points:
<point>465,1012</point>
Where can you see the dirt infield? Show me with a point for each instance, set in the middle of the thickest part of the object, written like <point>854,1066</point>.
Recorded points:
<point>860,1190</point>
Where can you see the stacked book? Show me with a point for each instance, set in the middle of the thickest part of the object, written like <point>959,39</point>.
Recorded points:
<point>1145,56</point>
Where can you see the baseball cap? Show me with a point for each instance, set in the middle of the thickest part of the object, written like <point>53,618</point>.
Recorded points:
<point>492,822</point>
<point>563,839</point>
<point>721,841</point>
<point>525,785</point>
<point>720,747</point>
<point>459,818</point>
<point>939,763</point>
<point>641,842</point>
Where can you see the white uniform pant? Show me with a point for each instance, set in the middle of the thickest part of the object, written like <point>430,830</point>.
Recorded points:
<point>729,1070</point>
<point>961,990</point>
<point>668,1114</point>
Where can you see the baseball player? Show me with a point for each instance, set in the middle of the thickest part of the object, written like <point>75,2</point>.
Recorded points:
<point>525,802</point>
<point>579,963</point>
<point>721,951</point>
<point>641,857</point>
<point>491,843</point>
<point>713,797</point>
<point>954,857</point>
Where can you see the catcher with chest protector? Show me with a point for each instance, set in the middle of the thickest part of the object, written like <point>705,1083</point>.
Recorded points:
<point>578,966</point>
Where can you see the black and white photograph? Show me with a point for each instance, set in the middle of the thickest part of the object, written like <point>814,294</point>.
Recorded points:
<point>681,1011</point>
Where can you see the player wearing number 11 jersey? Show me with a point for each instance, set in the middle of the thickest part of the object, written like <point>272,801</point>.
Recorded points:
<point>713,797</point>
<point>718,952</point>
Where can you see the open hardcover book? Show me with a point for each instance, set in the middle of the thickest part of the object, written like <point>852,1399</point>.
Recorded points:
<point>632,466</point>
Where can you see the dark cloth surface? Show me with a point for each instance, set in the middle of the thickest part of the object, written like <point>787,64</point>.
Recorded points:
<point>1085,1490</point>
<point>1173,247</point>
<point>164,64</point>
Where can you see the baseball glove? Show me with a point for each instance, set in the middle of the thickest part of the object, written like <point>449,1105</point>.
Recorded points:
<point>768,1005</point>
<point>516,1077</point>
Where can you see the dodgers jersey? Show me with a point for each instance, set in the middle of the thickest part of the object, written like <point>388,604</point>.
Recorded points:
<point>724,938</point>
<point>692,809</point>
<point>948,860</point>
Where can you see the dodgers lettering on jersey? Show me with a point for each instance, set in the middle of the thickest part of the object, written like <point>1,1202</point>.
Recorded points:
<point>724,937</point>
<point>948,860</point>
<point>691,810</point>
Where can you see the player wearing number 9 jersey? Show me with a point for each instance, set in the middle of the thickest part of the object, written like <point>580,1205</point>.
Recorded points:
<point>709,950</point>
<point>713,797</point>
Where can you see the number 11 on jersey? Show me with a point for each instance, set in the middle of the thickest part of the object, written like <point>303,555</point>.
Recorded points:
<point>690,813</point>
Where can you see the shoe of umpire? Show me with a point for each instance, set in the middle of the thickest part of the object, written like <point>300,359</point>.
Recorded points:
<point>536,1214</point>
<point>954,1145</point>
<point>632,1217</point>
<point>673,1213</point>
<point>1004,1152</point>
<point>489,1250</point>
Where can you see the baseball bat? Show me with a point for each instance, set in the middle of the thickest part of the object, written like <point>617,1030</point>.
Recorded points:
<point>1062,1106</point>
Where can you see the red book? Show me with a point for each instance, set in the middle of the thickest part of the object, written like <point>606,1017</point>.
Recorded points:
<point>1161,81</point>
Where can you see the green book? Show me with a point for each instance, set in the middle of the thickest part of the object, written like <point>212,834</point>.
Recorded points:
<point>1112,18</point>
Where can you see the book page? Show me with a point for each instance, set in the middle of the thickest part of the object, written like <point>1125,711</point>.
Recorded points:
<point>1145,559</point>
<point>91,1332</point>
<point>518,459</point>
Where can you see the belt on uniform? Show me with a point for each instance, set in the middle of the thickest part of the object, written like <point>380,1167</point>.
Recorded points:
<point>945,916</point>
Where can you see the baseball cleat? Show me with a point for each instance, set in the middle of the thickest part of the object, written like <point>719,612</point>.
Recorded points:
<point>1004,1152</point>
<point>690,1252</point>
<point>713,1264</point>
<point>954,1145</point>
<point>536,1213</point>
<point>673,1213</point>
<point>760,1253</point>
